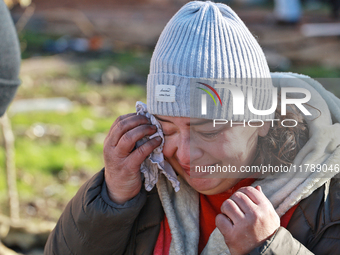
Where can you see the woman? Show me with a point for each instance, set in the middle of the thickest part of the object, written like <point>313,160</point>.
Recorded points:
<point>114,214</point>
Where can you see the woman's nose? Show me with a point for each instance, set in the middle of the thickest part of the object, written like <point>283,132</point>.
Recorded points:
<point>187,150</point>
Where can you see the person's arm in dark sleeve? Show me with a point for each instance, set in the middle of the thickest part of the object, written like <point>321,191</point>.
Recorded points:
<point>282,242</point>
<point>92,224</point>
<point>9,58</point>
<point>313,229</point>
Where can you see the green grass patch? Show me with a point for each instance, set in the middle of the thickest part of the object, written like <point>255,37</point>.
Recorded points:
<point>51,167</point>
<point>315,71</point>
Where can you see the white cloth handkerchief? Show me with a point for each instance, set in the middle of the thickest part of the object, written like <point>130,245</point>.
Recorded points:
<point>155,163</point>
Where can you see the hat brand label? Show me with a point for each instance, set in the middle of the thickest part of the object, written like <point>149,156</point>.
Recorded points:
<point>165,93</point>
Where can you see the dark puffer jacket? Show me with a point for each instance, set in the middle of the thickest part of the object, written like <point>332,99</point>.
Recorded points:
<point>93,224</point>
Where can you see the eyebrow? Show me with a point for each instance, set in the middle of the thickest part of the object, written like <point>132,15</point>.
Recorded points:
<point>204,121</point>
<point>158,118</point>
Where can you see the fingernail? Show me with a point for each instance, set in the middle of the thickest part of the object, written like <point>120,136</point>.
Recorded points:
<point>158,139</point>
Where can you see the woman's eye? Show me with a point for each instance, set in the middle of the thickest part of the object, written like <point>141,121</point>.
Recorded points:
<point>168,133</point>
<point>210,134</point>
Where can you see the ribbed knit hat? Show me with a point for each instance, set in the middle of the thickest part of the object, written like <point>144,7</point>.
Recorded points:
<point>9,58</point>
<point>206,42</point>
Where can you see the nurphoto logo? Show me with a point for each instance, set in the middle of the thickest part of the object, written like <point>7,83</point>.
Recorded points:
<point>239,106</point>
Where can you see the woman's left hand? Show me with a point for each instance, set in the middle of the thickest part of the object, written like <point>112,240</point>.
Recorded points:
<point>248,220</point>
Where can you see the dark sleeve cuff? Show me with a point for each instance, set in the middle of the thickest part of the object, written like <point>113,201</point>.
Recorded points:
<point>282,242</point>
<point>131,203</point>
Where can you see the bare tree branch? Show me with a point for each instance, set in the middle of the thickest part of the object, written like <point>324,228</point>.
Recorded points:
<point>12,190</point>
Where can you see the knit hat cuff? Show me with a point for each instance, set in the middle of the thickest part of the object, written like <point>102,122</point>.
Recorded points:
<point>168,95</point>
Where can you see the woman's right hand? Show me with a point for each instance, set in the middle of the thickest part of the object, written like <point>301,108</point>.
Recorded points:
<point>122,162</point>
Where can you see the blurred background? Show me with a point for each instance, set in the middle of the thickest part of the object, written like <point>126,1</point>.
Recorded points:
<point>85,62</point>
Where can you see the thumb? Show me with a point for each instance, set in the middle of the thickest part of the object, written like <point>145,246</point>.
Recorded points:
<point>258,187</point>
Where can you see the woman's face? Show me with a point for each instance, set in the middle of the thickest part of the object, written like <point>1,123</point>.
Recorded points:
<point>195,142</point>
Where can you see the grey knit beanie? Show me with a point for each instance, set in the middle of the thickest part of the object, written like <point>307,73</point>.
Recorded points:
<point>205,44</point>
<point>9,58</point>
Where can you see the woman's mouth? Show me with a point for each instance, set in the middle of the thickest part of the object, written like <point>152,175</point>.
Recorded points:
<point>186,169</point>
<point>195,170</point>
